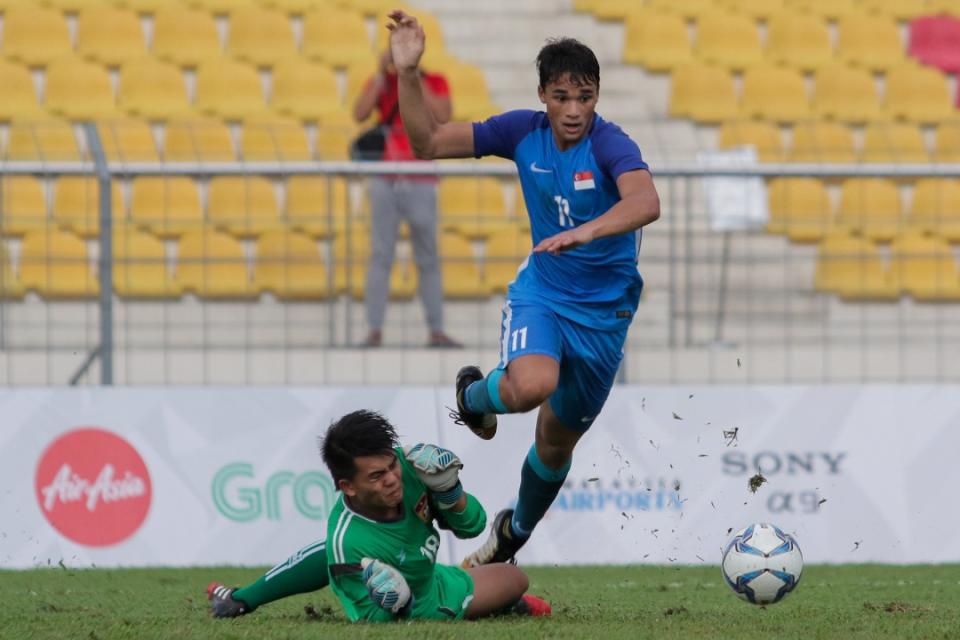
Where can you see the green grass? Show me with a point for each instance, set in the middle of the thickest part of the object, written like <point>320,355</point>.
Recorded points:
<point>589,602</point>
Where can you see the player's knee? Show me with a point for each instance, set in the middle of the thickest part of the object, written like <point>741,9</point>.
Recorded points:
<point>530,392</point>
<point>519,583</point>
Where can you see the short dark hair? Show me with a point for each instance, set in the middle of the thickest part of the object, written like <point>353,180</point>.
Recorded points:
<point>357,434</point>
<point>567,55</point>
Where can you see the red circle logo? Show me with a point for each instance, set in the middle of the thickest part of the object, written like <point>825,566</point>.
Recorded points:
<point>93,487</point>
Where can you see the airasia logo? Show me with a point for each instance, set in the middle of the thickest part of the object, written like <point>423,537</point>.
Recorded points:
<point>93,487</point>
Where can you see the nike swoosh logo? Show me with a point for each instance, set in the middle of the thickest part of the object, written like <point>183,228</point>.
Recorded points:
<point>536,169</point>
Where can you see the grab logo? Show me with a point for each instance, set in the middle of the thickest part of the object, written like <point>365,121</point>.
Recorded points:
<point>93,487</point>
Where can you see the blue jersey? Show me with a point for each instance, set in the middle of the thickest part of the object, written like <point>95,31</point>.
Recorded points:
<point>597,284</point>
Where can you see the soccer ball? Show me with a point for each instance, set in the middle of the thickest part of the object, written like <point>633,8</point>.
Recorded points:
<point>762,564</point>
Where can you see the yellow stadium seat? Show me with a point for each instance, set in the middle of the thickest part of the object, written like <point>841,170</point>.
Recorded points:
<point>110,36</point>
<point>153,90</point>
<point>828,9</point>
<point>472,206</point>
<point>945,7</point>
<point>918,94</point>
<point>948,143</point>
<point>143,7</point>
<point>657,41</point>
<point>851,268</point>
<point>901,9</point>
<point>351,255</point>
<point>337,39</point>
<point>611,9</point>
<point>211,264</point>
<point>870,207</point>
<point>243,206</point>
<point>503,253</point>
<point>167,207</point>
<point>461,276</point>
<point>897,143</point>
<point>10,285</point>
<point>79,90</point>
<point>469,93</point>
<point>261,37</point>
<point>76,205</point>
<point>432,29</point>
<point>46,139</point>
<point>220,7</point>
<point>703,93</point>
<point>128,140</point>
<point>24,205</point>
<point>757,9</point>
<point>871,42</point>
<point>185,37</point>
<point>34,36</point>
<point>274,138</point>
<point>140,267</point>
<point>333,143</point>
<point>798,40</point>
<point>19,96</point>
<point>924,267</point>
<point>289,266</point>
<point>309,205</point>
<point>73,6</point>
<point>367,8</point>
<point>297,7</point>
<point>822,142</point>
<point>936,207</point>
<point>762,136</point>
<point>689,9</point>
<point>774,93</point>
<point>307,91</point>
<point>799,209</point>
<point>55,265</point>
<point>846,94</point>
<point>230,90</point>
<point>198,140</point>
<point>729,40</point>
<point>359,73</point>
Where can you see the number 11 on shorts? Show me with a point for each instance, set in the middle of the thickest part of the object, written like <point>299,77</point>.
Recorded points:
<point>521,335</point>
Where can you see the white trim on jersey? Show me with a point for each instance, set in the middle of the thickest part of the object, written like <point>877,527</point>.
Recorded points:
<point>338,532</point>
<point>297,558</point>
<point>505,333</point>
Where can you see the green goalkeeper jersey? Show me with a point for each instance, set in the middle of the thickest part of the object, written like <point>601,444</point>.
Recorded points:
<point>409,544</point>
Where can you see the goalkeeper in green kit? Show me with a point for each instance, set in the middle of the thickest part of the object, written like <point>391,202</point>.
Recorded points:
<point>380,552</point>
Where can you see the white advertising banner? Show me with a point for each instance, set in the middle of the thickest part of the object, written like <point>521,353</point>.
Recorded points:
<point>204,476</point>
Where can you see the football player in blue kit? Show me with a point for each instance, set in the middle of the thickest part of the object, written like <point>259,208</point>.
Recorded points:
<point>588,192</point>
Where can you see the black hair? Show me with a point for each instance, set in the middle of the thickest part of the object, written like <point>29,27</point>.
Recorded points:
<point>567,55</point>
<point>357,434</point>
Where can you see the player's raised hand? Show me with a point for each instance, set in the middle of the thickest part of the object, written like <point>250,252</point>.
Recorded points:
<point>387,587</point>
<point>407,41</point>
<point>564,241</point>
<point>439,470</point>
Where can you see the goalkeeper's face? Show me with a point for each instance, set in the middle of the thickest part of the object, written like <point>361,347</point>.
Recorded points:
<point>377,485</point>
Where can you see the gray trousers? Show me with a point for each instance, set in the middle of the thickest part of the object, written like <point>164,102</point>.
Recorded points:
<point>416,202</point>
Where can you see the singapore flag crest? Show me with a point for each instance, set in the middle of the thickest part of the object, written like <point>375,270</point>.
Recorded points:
<point>583,180</point>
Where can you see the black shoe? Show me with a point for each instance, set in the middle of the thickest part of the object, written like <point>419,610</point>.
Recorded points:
<point>484,425</point>
<point>222,604</point>
<point>501,546</point>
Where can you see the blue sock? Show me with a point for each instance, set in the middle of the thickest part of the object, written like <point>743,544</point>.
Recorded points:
<point>483,396</point>
<point>539,485</point>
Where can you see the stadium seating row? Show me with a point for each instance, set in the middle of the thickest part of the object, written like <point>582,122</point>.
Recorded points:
<point>922,266</point>
<point>214,265</point>
<point>801,209</point>
<point>833,142</point>
<point>245,206</point>
<point>913,93</point>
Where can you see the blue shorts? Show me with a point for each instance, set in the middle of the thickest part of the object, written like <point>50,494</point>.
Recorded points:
<point>589,359</point>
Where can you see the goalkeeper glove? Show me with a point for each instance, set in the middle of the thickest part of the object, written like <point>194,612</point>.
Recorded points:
<point>439,469</point>
<point>387,587</point>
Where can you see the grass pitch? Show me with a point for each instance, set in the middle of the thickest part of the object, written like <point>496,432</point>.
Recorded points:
<point>589,602</point>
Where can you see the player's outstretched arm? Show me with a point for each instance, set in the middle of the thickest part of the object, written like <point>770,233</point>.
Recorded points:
<point>429,139</point>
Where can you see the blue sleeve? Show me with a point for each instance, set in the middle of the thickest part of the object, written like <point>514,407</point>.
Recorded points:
<point>500,135</point>
<point>615,152</point>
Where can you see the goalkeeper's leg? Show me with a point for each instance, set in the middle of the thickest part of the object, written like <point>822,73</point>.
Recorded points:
<point>501,588</point>
<point>304,571</point>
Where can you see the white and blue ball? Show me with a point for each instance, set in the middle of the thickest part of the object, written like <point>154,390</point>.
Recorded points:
<point>762,564</point>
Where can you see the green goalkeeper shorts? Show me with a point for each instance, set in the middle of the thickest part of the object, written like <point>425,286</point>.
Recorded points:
<point>450,597</point>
